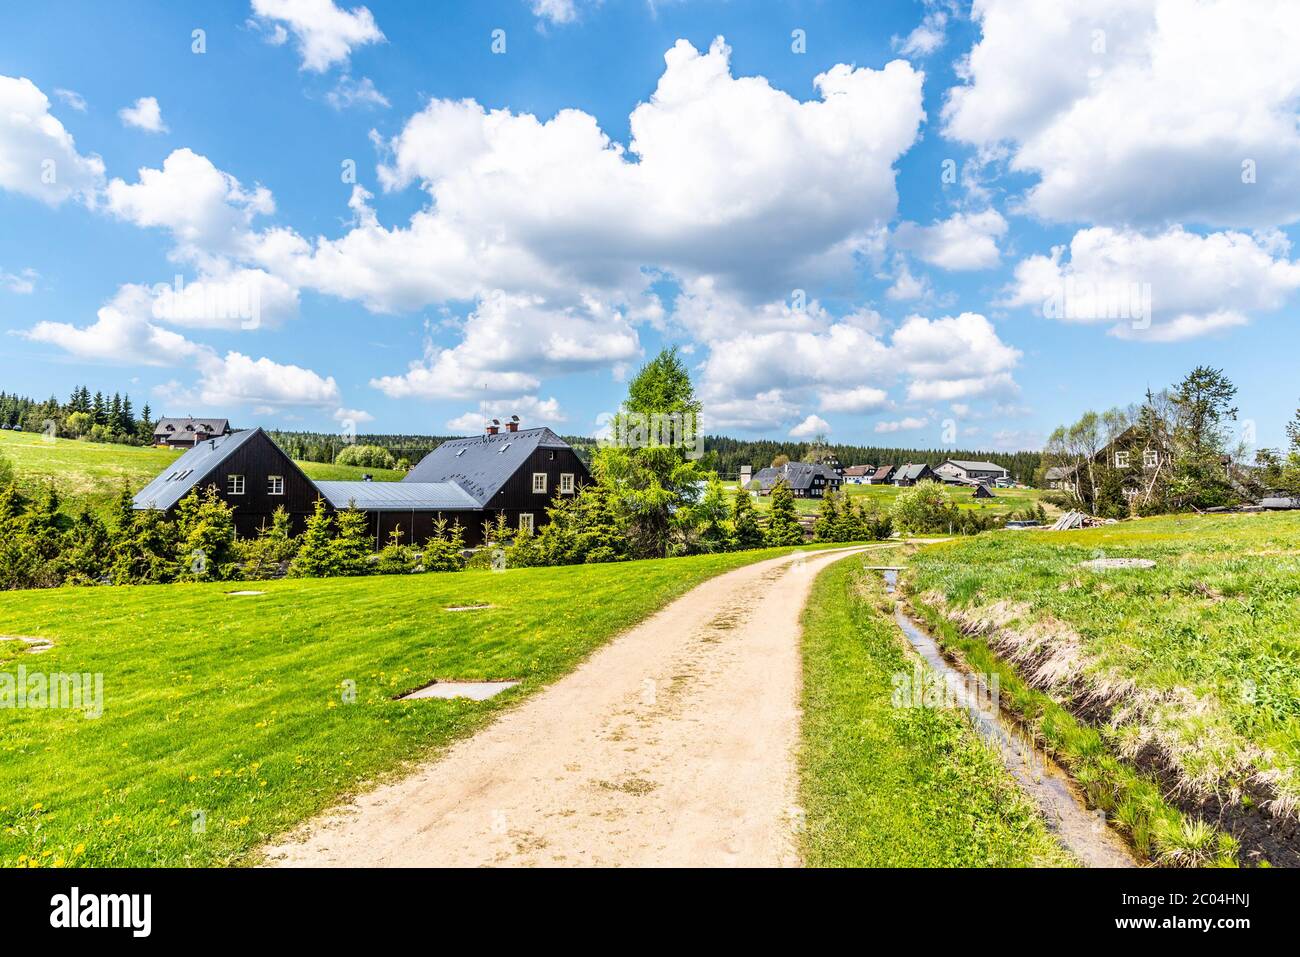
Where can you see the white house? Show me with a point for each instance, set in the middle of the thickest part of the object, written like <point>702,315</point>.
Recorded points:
<point>964,472</point>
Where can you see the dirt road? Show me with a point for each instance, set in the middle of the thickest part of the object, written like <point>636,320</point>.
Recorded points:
<point>674,745</point>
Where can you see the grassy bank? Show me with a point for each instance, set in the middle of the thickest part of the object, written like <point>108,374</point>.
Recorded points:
<point>237,708</point>
<point>1188,672</point>
<point>90,474</point>
<point>886,786</point>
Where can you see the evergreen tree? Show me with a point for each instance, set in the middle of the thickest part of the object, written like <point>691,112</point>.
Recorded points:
<point>827,527</point>
<point>86,555</point>
<point>745,530</point>
<point>205,536</point>
<point>783,524</point>
<point>316,557</point>
<point>352,544</point>
<point>442,551</point>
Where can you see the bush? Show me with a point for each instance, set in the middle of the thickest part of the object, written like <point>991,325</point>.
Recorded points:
<point>442,551</point>
<point>264,556</point>
<point>396,558</point>
<point>926,508</point>
<point>366,456</point>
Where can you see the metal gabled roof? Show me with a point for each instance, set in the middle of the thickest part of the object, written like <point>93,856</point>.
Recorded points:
<point>189,470</point>
<point>977,466</point>
<point>397,496</point>
<point>481,464</point>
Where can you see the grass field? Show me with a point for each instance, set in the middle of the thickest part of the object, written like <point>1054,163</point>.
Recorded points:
<point>235,707</point>
<point>895,787</point>
<point>1189,670</point>
<point>1005,500</point>
<point>90,474</point>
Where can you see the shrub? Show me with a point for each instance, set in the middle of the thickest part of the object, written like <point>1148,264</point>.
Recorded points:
<point>925,508</point>
<point>275,544</point>
<point>396,558</point>
<point>366,456</point>
<point>442,551</point>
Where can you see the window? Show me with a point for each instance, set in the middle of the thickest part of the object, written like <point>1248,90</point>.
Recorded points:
<point>566,483</point>
<point>526,521</point>
<point>1150,459</point>
<point>551,456</point>
<point>501,450</point>
<point>1121,460</point>
<point>459,453</point>
<point>275,485</point>
<point>539,482</point>
<point>234,485</point>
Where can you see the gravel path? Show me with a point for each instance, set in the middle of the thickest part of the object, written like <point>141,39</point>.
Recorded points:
<point>674,745</point>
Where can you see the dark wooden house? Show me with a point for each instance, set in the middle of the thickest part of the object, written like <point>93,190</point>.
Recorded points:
<point>908,475</point>
<point>805,480</point>
<point>249,471</point>
<point>470,481</point>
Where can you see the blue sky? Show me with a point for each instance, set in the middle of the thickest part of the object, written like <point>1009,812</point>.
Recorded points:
<point>514,240</point>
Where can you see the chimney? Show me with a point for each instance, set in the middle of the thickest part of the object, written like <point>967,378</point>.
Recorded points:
<point>513,424</point>
<point>367,477</point>
<point>492,429</point>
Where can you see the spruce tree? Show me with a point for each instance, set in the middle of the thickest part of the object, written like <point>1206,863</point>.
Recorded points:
<point>783,524</point>
<point>352,546</point>
<point>745,530</point>
<point>315,558</point>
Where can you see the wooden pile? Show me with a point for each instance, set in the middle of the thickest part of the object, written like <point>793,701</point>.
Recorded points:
<point>1078,520</point>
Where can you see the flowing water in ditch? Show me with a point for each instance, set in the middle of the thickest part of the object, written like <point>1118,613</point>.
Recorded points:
<point>1082,831</point>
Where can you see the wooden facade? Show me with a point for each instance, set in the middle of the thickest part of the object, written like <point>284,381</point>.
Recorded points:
<point>257,461</point>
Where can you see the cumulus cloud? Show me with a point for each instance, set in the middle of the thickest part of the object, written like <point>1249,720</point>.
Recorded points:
<point>207,211</point>
<point>902,425</point>
<point>1140,112</point>
<point>962,241</point>
<point>955,357</point>
<point>1164,286</point>
<point>38,156</point>
<point>144,114</point>
<point>531,410</point>
<point>928,36</point>
<point>733,180</point>
<point>809,427</point>
<point>508,343</point>
<point>236,379</point>
<point>325,33</point>
<point>860,399</point>
<point>123,333</point>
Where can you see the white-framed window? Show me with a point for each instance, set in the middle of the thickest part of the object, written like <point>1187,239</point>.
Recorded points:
<point>1150,458</point>
<point>275,485</point>
<point>1121,460</point>
<point>566,483</point>
<point>539,482</point>
<point>526,521</point>
<point>234,485</point>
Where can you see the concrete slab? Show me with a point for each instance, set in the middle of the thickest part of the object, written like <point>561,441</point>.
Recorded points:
<point>474,690</point>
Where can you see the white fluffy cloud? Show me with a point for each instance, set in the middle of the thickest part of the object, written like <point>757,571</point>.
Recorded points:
<point>237,379</point>
<point>326,34</point>
<point>531,410</point>
<point>144,114</point>
<point>813,425</point>
<point>1196,284</point>
<point>1140,112</point>
<point>508,343</point>
<point>861,399</point>
<point>928,36</point>
<point>962,241</point>
<point>955,357</point>
<point>902,425</point>
<point>38,157</point>
<point>734,180</point>
<point>206,210</point>
<point>123,332</point>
